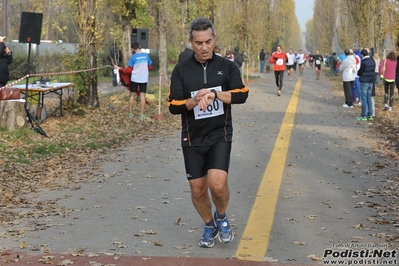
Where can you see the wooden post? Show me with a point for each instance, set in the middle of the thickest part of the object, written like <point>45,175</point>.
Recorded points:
<point>12,114</point>
<point>159,116</point>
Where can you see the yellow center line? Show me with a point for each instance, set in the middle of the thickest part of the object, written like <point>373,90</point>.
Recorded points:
<point>255,239</point>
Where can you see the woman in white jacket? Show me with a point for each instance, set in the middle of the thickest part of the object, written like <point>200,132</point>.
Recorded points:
<point>349,71</point>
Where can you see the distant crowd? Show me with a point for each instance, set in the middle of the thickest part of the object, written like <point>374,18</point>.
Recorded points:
<point>361,70</point>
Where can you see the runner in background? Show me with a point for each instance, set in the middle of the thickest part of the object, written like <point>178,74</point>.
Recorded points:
<point>318,59</point>
<point>300,57</point>
<point>278,58</point>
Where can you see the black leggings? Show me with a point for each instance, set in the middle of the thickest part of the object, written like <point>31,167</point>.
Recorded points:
<point>279,78</point>
<point>389,86</point>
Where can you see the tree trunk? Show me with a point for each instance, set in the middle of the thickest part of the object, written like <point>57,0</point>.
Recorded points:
<point>126,39</point>
<point>12,114</point>
<point>183,22</point>
<point>163,55</point>
<point>87,24</point>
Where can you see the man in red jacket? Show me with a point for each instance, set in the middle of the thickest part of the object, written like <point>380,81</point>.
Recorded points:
<point>278,58</point>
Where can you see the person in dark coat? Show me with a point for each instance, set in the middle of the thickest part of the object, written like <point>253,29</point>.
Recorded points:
<point>115,56</point>
<point>187,53</point>
<point>366,75</point>
<point>5,60</point>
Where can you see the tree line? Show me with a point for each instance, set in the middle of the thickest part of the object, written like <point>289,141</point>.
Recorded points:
<point>250,25</point>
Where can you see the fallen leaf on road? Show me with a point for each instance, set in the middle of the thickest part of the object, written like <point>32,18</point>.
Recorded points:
<point>22,245</point>
<point>311,217</point>
<point>178,221</point>
<point>314,257</point>
<point>182,247</point>
<point>65,262</point>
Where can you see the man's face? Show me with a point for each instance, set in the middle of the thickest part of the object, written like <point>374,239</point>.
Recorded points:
<point>278,48</point>
<point>203,43</point>
<point>290,51</point>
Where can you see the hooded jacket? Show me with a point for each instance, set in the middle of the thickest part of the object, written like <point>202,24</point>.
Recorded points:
<point>348,68</point>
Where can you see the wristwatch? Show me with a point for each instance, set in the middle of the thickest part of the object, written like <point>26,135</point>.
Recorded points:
<point>216,94</point>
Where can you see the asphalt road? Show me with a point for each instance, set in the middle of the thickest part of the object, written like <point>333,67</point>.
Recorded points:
<point>140,204</point>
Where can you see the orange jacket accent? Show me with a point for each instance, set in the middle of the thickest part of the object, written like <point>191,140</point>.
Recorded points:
<point>278,59</point>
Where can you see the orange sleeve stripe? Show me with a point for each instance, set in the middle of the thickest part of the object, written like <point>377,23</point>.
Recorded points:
<point>177,102</point>
<point>238,90</point>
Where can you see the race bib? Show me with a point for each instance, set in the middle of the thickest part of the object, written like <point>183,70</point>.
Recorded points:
<point>318,62</point>
<point>279,62</point>
<point>214,109</point>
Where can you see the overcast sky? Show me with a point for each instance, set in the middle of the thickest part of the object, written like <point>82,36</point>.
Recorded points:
<point>303,11</point>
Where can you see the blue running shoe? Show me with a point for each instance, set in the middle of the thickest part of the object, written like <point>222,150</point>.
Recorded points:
<point>208,238</point>
<point>225,235</point>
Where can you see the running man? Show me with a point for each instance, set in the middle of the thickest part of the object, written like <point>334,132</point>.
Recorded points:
<point>300,57</point>
<point>290,63</point>
<point>202,90</point>
<point>318,59</point>
<point>278,58</point>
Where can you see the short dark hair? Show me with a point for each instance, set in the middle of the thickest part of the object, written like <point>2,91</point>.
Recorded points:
<point>391,56</point>
<point>364,52</point>
<point>347,52</point>
<point>200,24</point>
<point>135,45</point>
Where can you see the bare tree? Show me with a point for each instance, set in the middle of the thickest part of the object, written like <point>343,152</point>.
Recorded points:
<point>86,19</point>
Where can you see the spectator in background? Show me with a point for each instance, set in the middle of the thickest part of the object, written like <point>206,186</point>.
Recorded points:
<point>5,60</point>
<point>356,84</point>
<point>377,78</point>
<point>262,56</point>
<point>366,79</point>
<point>216,50</point>
<point>341,57</point>
<point>333,64</point>
<point>238,58</point>
<point>229,55</point>
<point>186,53</point>
<point>387,71</point>
<point>115,56</point>
<point>267,63</point>
<point>137,69</point>
<point>349,71</point>
<point>397,70</point>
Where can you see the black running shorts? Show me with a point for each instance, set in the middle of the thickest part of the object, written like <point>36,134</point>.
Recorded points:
<point>198,160</point>
<point>134,85</point>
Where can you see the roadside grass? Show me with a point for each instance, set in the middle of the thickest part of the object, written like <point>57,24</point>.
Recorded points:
<point>80,129</point>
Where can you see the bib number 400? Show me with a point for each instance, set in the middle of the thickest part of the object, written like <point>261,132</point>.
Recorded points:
<point>214,109</point>
<point>214,106</point>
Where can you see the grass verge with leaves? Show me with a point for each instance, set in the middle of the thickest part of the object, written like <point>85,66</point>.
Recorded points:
<point>30,162</point>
